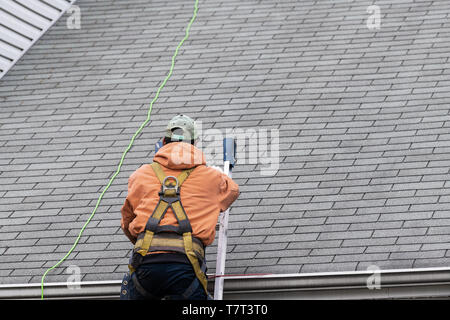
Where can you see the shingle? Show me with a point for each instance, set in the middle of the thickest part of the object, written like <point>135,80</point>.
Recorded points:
<point>438,230</point>
<point>360,203</point>
<point>361,257</point>
<point>412,200</point>
<point>363,219</point>
<point>30,249</point>
<point>324,267</point>
<point>291,237</point>
<point>376,225</point>
<point>295,268</point>
<point>304,260</point>
<point>42,234</point>
<point>63,248</point>
<point>345,235</point>
<point>418,254</point>
<point>10,222</point>
<point>386,264</point>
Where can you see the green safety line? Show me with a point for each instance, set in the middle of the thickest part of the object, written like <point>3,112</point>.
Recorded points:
<point>126,150</point>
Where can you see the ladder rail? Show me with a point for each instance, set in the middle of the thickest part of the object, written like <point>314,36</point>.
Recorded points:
<point>222,246</point>
<point>229,158</point>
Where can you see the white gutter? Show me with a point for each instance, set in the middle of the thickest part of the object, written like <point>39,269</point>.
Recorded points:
<point>394,284</point>
<point>61,290</point>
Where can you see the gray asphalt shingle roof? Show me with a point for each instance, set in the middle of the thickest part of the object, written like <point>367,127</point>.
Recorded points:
<point>363,119</point>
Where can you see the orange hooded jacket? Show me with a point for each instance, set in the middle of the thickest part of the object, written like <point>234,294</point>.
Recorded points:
<point>204,194</point>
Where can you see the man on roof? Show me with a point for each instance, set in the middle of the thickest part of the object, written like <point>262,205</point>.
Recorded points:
<point>170,215</point>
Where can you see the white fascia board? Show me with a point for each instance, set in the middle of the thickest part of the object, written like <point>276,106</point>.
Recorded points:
<point>394,284</point>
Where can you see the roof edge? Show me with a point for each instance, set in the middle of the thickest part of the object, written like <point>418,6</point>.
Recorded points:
<point>393,284</point>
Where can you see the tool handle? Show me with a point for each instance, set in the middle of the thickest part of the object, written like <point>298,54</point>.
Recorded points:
<point>229,151</point>
<point>158,146</point>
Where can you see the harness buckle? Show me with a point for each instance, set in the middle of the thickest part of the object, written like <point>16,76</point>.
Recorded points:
<point>170,190</point>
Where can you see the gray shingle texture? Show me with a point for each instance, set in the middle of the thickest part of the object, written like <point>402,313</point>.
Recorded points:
<point>362,115</point>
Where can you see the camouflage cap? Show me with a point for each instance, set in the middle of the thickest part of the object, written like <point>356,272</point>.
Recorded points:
<point>188,130</point>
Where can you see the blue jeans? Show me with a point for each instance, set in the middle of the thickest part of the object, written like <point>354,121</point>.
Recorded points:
<point>163,280</point>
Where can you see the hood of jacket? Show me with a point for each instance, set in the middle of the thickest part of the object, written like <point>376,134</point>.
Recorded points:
<point>179,156</point>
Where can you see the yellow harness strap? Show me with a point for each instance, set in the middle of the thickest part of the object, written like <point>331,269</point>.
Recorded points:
<point>161,175</point>
<point>170,198</point>
<point>201,276</point>
<point>169,241</point>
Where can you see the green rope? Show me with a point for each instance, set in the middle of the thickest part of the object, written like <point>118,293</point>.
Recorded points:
<point>126,150</point>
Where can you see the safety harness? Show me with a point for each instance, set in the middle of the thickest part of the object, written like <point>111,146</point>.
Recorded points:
<point>170,238</point>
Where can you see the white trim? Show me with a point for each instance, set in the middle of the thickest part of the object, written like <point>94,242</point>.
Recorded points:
<point>37,25</point>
